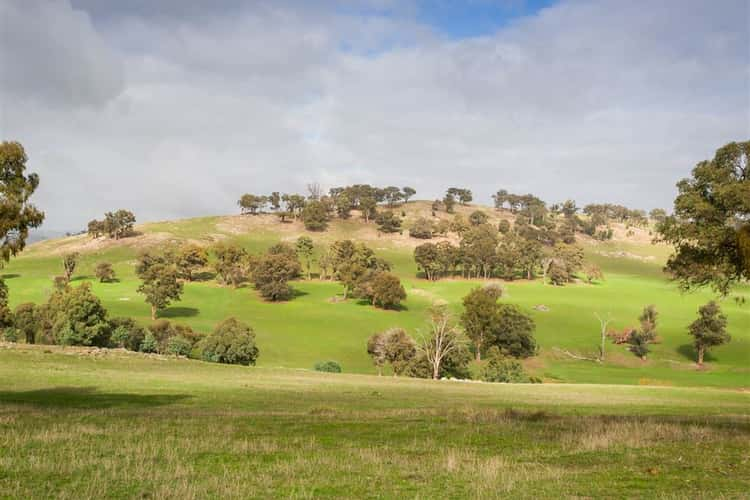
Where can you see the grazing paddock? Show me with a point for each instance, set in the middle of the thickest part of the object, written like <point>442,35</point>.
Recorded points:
<point>75,425</point>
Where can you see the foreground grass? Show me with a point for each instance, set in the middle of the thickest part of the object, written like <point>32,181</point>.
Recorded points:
<point>123,425</point>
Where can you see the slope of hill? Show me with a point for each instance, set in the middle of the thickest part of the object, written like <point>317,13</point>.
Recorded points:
<point>312,327</point>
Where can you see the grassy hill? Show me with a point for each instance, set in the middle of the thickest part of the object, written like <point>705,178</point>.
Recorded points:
<point>76,423</point>
<point>312,327</point>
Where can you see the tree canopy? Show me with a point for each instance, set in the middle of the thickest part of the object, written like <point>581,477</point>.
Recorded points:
<point>710,228</point>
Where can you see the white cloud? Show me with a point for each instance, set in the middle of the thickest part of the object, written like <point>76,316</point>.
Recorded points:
<point>590,100</point>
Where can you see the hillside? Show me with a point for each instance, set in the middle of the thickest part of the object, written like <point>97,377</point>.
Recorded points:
<point>312,327</point>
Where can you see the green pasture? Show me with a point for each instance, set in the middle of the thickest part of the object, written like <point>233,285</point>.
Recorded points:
<point>314,326</point>
<point>123,425</point>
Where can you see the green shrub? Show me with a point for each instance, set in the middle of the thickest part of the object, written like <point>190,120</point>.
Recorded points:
<point>498,368</point>
<point>77,317</point>
<point>231,342</point>
<point>149,344</point>
<point>126,333</point>
<point>179,346</point>
<point>10,335</point>
<point>328,366</point>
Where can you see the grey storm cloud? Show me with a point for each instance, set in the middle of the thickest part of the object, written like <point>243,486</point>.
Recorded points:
<point>174,109</point>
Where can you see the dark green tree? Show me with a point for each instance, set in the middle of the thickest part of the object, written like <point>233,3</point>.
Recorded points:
<point>305,248</point>
<point>26,321</point>
<point>315,216</point>
<point>272,272</point>
<point>400,349</point>
<point>408,193</point>
<point>513,332</point>
<point>480,318</point>
<point>231,263</point>
<point>251,203</point>
<point>387,290</point>
<point>709,229</point>
<point>18,215</point>
<point>388,222</point>
<point>75,316</point>
<point>189,259</point>
<point>709,330</point>
<point>70,261</point>
<point>159,281</point>
<point>231,342</point>
<point>104,272</point>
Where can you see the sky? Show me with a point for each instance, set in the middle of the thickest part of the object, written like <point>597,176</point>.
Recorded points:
<point>174,108</point>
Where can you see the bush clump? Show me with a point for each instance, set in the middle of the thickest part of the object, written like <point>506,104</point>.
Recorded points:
<point>127,333</point>
<point>178,346</point>
<point>499,368</point>
<point>328,366</point>
<point>231,342</point>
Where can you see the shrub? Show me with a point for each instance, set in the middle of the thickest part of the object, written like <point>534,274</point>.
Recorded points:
<point>388,222</point>
<point>503,226</point>
<point>477,218</point>
<point>10,335</point>
<point>78,317</point>
<point>127,333</point>
<point>149,343</point>
<point>328,366</point>
<point>422,228</point>
<point>26,321</point>
<point>179,346</point>
<point>315,216</point>
<point>231,342</point>
<point>498,368</point>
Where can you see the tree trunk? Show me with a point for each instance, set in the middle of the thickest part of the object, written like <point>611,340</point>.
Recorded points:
<point>701,352</point>
<point>153,312</point>
<point>435,371</point>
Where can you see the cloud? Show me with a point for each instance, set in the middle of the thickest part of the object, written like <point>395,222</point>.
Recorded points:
<point>51,54</point>
<point>178,113</point>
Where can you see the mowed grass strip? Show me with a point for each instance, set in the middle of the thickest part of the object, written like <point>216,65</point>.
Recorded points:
<point>73,424</point>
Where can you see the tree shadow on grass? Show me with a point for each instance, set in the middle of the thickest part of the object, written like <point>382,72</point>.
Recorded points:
<point>296,292</point>
<point>81,277</point>
<point>179,312</point>
<point>10,276</point>
<point>203,276</point>
<point>689,352</point>
<point>367,303</point>
<point>87,397</point>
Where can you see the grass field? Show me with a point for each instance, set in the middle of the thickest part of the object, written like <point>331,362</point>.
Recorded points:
<point>76,425</point>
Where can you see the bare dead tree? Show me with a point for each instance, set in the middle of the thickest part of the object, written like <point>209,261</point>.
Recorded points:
<point>444,337</point>
<point>603,322</point>
<point>314,191</point>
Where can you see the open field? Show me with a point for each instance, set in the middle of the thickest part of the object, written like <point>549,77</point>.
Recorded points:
<point>124,425</point>
<point>312,327</point>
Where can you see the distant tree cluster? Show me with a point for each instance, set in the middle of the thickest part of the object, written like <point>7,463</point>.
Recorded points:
<point>116,225</point>
<point>317,209</point>
<point>362,274</point>
<point>485,252</point>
